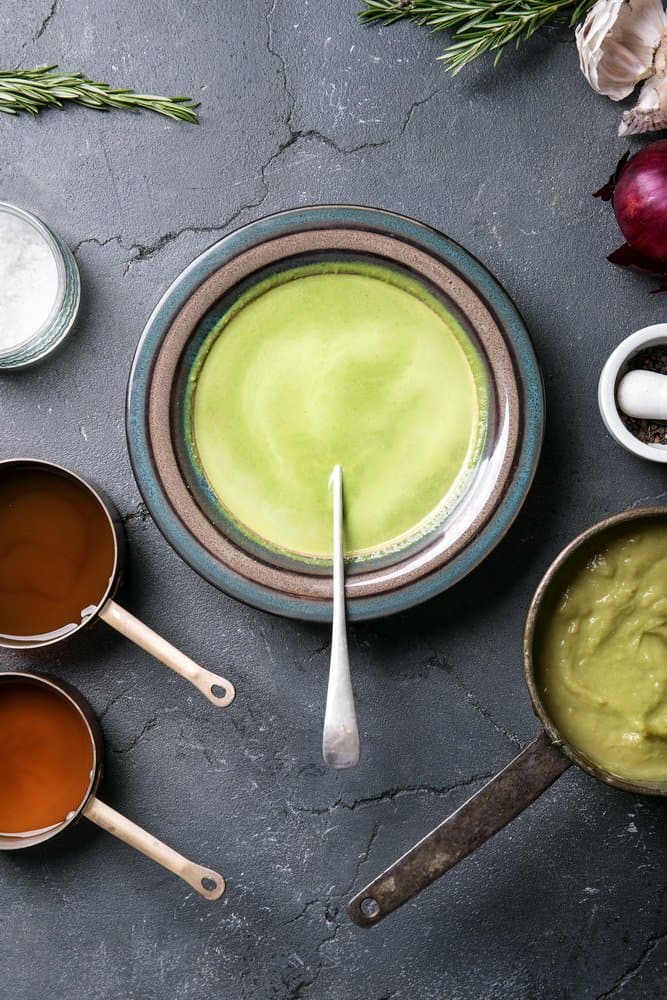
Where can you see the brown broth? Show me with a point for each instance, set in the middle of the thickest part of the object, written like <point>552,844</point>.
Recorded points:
<point>57,553</point>
<point>46,757</point>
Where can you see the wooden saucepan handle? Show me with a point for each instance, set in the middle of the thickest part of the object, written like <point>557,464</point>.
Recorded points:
<point>217,689</point>
<point>206,882</point>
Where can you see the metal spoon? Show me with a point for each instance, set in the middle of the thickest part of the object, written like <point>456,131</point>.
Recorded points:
<point>340,740</point>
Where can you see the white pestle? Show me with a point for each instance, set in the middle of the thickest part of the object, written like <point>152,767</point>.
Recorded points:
<point>643,395</point>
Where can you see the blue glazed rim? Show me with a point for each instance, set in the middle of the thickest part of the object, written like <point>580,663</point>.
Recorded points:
<point>413,233</point>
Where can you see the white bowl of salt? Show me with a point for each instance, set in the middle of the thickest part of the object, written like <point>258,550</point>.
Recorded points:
<point>40,289</point>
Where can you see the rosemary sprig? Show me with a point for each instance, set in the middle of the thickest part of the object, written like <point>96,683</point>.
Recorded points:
<point>479,26</point>
<point>32,90</point>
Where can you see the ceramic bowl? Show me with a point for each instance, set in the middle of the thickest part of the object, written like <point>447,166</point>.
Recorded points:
<point>59,323</point>
<point>182,503</point>
<point>612,373</point>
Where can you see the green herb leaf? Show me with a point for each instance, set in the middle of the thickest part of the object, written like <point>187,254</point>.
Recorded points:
<point>480,26</point>
<point>32,90</point>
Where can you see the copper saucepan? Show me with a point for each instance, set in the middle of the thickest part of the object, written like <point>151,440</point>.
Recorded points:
<point>217,689</point>
<point>520,783</point>
<point>206,882</point>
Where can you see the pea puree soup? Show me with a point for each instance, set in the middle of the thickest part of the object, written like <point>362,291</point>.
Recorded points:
<point>602,662</point>
<point>349,367</point>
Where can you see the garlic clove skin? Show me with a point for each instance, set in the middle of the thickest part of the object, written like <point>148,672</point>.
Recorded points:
<point>650,112</point>
<point>617,43</point>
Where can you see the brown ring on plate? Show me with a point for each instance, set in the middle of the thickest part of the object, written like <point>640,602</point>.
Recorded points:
<point>166,365</point>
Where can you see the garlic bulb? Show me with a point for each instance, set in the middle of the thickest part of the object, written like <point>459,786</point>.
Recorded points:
<point>650,112</point>
<point>617,44</point>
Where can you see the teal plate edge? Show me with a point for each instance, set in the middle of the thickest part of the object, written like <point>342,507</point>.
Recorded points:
<point>418,234</point>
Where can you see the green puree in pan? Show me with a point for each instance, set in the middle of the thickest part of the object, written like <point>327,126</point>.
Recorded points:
<point>330,364</point>
<point>602,666</point>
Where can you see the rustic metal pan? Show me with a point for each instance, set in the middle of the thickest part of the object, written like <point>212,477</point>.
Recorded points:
<point>518,784</point>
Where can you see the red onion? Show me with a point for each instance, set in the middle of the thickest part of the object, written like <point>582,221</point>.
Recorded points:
<point>638,193</point>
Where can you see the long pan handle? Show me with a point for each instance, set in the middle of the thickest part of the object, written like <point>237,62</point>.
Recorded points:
<point>206,882</point>
<point>473,823</point>
<point>217,689</point>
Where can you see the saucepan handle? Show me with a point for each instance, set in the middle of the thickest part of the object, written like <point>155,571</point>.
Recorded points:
<point>143,636</point>
<point>206,882</point>
<point>486,812</point>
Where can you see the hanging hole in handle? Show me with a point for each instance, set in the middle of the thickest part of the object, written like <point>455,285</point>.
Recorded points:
<point>208,884</point>
<point>218,690</point>
<point>370,908</point>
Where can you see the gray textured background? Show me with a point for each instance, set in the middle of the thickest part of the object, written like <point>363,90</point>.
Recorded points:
<point>300,105</point>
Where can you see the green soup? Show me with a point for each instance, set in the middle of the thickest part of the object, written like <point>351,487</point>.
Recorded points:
<point>344,365</point>
<point>602,665</point>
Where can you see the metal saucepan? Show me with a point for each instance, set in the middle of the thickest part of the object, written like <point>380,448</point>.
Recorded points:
<point>515,787</point>
<point>217,689</point>
<point>206,882</point>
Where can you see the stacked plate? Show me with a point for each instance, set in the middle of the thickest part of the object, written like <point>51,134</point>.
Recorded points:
<point>201,508</point>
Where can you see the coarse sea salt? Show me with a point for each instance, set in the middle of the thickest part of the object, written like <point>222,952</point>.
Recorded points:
<point>29,281</point>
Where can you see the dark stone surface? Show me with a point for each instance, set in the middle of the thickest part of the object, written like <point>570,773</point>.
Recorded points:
<point>302,105</point>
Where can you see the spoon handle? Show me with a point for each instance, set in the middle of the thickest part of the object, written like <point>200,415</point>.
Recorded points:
<point>206,882</point>
<point>217,689</point>
<point>340,741</point>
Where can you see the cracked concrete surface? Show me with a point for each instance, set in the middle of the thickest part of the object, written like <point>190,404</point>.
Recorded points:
<point>47,20</point>
<point>135,740</point>
<point>390,794</point>
<point>635,970</point>
<point>141,252</point>
<point>300,105</point>
<point>140,513</point>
